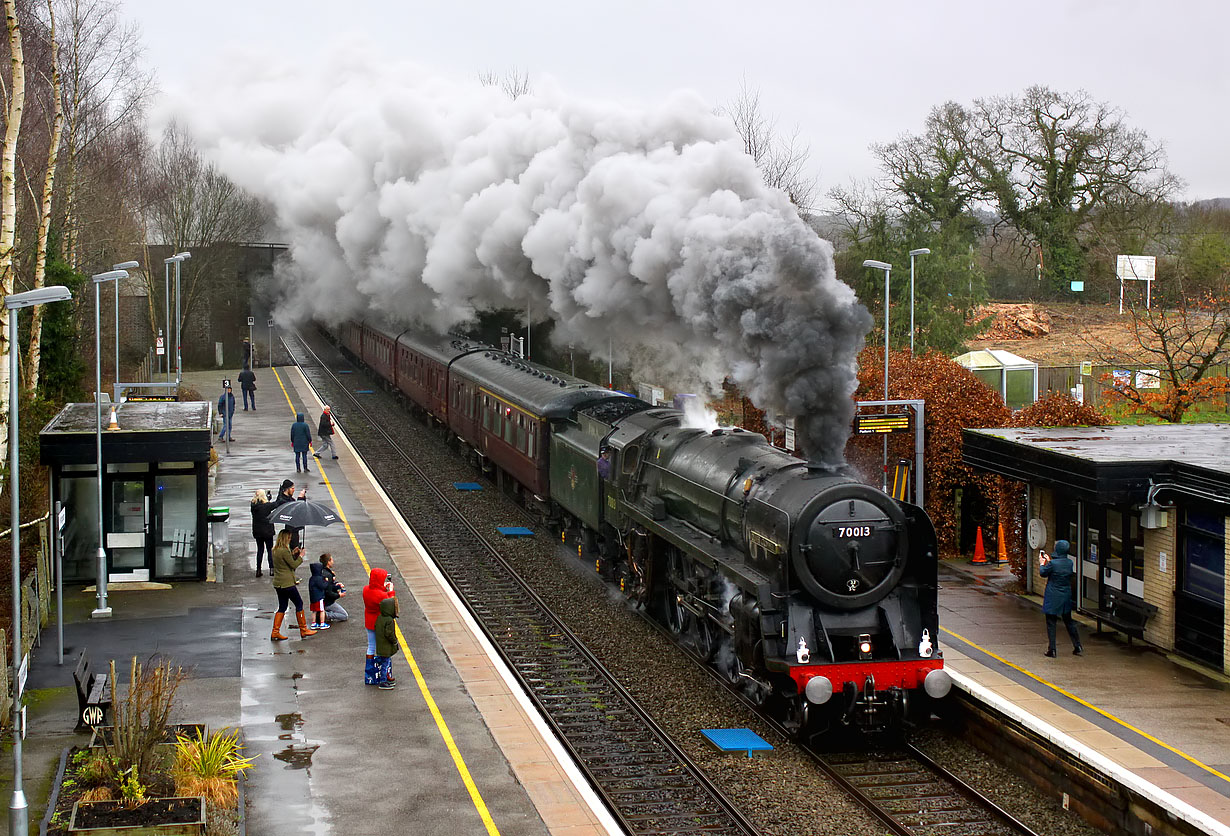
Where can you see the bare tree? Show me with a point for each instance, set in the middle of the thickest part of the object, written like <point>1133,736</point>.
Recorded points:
<point>782,160</point>
<point>8,197</point>
<point>105,89</point>
<point>1186,336</point>
<point>194,206</point>
<point>515,83</point>
<point>34,352</point>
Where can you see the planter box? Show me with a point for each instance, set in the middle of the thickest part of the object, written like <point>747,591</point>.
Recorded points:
<point>186,729</point>
<point>189,821</point>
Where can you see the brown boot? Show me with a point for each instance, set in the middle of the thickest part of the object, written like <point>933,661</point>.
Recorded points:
<point>304,629</point>
<point>276,635</point>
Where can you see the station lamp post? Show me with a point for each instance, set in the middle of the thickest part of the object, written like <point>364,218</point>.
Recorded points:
<point>920,251</point>
<point>180,258</point>
<point>127,265</point>
<point>888,270</point>
<point>102,611</point>
<point>18,808</point>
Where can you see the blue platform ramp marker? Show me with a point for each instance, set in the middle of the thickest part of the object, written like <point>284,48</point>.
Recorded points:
<point>364,392</point>
<point>345,371</point>
<point>514,531</point>
<point>737,740</point>
<point>467,486</point>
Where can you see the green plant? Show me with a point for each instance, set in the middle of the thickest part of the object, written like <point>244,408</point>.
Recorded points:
<point>208,763</point>
<point>132,791</point>
<point>92,770</point>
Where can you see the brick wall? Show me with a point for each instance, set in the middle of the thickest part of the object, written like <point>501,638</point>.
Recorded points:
<point>1160,585</point>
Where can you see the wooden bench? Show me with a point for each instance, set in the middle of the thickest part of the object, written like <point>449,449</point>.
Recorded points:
<point>93,694</point>
<point>1127,615</point>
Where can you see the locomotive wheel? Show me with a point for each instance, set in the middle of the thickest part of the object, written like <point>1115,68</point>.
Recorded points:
<point>704,638</point>
<point>676,616</point>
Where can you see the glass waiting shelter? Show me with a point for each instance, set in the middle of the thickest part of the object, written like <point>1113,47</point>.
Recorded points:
<point>1014,377</point>
<point>154,485</point>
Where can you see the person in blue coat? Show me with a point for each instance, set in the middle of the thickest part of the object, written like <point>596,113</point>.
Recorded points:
<point>300,442</point>
<point>226,408</point>
<point>1058,570</point>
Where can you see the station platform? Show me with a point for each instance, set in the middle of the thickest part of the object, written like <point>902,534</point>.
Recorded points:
<point>454,748</point>
<point>1161,723</point>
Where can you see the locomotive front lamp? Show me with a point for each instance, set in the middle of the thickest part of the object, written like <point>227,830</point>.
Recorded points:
<point>864,646</point>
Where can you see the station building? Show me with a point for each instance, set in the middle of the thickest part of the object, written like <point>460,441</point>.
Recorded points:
<point>154,486</point>
<point>1147,512</point>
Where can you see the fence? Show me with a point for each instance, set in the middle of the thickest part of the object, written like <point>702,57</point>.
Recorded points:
<point>36,589</point>
<point>1065,378</point>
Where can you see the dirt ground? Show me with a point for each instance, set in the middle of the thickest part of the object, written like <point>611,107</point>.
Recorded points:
<point>1075,331</point>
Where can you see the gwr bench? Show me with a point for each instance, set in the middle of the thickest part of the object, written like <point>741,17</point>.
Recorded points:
<point>1125,614</point>
<point>93,694</point>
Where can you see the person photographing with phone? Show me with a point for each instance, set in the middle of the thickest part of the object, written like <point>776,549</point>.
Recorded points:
<point>1058,570</point>
<point>378,588</point>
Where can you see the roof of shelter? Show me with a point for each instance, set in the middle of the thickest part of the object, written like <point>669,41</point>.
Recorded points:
<point>1116,463</point>
<point>133,417</point>
<point>993,358</point>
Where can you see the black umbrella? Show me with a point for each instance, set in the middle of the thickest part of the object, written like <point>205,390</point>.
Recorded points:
<point>302,513</point>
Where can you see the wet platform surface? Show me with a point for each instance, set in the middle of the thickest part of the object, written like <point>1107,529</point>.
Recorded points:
<point>333,756</point>
<point>1164,720</point>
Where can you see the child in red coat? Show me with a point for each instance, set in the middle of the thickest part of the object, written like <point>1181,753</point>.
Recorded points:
<point>378,588</point>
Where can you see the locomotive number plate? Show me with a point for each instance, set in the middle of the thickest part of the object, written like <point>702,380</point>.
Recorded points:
<point>847,531</point>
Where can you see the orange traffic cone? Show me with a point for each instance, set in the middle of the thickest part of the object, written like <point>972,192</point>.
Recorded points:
<point>980,553</point>
<point>1001,550</point>
<point>114,425</point>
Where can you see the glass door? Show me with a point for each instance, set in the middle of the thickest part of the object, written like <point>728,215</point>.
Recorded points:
<point>175,521</point>
<point>1093,556</point>
<point>127,525</point>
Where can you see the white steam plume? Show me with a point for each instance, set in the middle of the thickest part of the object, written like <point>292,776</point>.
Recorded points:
<point>417,199</point>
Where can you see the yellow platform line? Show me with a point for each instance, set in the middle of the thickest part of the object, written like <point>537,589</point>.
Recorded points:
<point>1090,706</point>
<point>458,761</point>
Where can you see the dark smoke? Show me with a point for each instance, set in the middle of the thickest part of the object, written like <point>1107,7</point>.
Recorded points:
<point>413,199</point>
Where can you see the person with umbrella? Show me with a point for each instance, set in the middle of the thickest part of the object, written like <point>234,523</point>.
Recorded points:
<point>296,515</point>
<point>286,493</point>
<point>285,561</point>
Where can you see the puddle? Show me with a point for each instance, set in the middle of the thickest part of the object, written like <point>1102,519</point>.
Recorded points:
<point>297,755</point>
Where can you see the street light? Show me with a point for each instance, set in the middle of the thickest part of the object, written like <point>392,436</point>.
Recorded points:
<point>127,265</point>
<point>888,269</point>
<point>920,251</point>
<point>102,611</point>
<point>18,808</point>
<point>179,357</point>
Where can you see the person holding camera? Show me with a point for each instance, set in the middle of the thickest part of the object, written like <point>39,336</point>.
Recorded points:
<point>286,493</point>
<point>378,588</point>
<point>1057,602</point>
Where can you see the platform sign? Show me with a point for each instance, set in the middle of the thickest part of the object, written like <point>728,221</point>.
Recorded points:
<point>270,323</point>
<point>885,423</point>
<point>159,347</point>
<point>226,382</point>
<point>153,398</point>
<point>251,321</point>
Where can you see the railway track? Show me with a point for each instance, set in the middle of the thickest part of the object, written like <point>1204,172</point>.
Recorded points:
<point>647,781</point>
<point>907,791</point>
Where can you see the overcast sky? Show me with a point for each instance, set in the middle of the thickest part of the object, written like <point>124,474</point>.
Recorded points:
<point>847,74</point>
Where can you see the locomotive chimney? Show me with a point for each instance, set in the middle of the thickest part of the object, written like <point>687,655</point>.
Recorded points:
<point>815,467</point>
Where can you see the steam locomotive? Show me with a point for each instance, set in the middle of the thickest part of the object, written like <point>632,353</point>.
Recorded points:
<point>806,587</point>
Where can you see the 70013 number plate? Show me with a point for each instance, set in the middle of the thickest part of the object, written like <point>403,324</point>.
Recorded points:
<point>846,532</point>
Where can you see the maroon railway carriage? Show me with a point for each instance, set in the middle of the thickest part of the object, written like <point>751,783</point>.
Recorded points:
<point>502,406</point>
